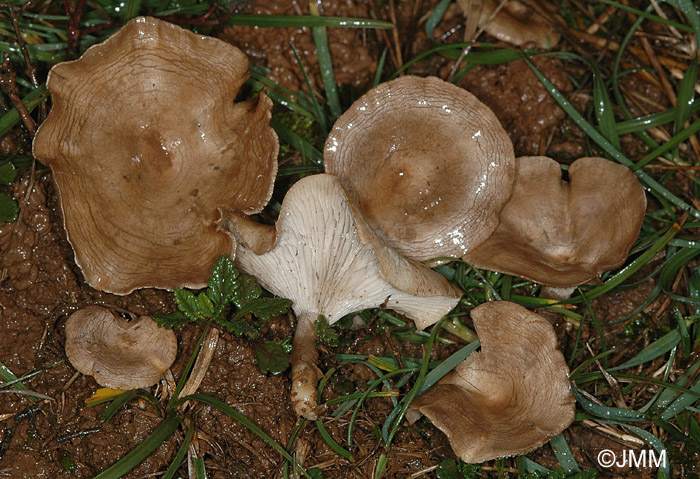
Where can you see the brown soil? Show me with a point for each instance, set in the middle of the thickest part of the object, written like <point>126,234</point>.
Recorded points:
<point>61,437</point>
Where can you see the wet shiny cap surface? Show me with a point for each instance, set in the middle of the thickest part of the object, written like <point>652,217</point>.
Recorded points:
<point>145,143</point>
<point>428,164</point>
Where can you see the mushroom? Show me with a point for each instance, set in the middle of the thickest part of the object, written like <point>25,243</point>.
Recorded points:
<point>428,164</point>
<point>562,234</point>
<point>323,257</point>
<point>146,144</point>
<point>118,353</point>
<point>509,398</point>
<point>515,23</point>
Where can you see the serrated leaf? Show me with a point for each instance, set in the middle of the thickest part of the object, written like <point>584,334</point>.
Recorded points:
<point>264,308</point>
<point>325,333</point>
<point>8,209</point>
<point>239,328</point>
<point>249,289</point>
<point>315,473</point>
<point>223,284</point>
<point>7,173</point>
<point>187,303</point>
<point>271,357</point>
<point>205,306</point>
<point>172,320</point>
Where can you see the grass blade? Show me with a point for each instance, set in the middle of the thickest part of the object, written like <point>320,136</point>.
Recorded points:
<point>656,349</point>
<point>320,116</point>
<point>686,94</point>
<point>337,448</point>
<point>380,68</point>
<point>181,453</point>
<point>325,64</point>
<point>31,101</point>
<point>10,378</point>
<point>605,144</point>
<point>649,16</point>
<point>564,454</point>
<point>159,435</point>
<point>237,416</point>
<point>298,143</point>
<point>606,412</point>
<point>447,365</point>
<point>603,110</point>
<point>300,21</point>
<point>436,16</point>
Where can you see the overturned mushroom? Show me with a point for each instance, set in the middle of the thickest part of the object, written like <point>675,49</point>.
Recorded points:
<point>560,233</point>
<point>119,354</point>
<point>428,164</point>
<point>146,143</point>
<point>323,257</point>
<point>515,23</point>
<point>509,398</point>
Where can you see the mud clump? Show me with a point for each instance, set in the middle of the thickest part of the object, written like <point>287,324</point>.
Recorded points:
<point>19,240</point>
<point>527,111</point>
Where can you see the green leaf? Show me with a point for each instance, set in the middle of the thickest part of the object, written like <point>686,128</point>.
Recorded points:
<point>187,304</point>
<point>7,173</point>
<point>239,328</point>
<point>265,308</point>
<point>271,357</point>
<point>176,319</point>
<point>8,209</point>
<point>451,469</point>
<point>249,288</point>
<point>315,473</point>
<point>223,286</point>
<point>205,306</point>
<point>325,333</point>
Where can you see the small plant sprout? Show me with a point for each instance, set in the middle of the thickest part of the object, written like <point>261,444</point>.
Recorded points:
<point>228,299</point>
<point>147,121</point>
<point>324,257</point>
<point>509,398</point>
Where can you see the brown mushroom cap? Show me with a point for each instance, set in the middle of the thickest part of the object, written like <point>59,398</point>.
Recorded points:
<point>561,233</point>
<point>516,23</point>
<point>428,164</point>
<point>509,398</point>
<point>145,143</point>
<point>119,354</point>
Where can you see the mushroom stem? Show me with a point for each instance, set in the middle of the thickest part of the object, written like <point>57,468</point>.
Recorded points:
<point>305,373</point>
<point>560,294</point>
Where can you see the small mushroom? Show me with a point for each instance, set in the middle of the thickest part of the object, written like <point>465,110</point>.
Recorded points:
<point>323,257</point>
<point>428,164</point>
<point>146,144</point>
<point>118,353</point>
<point>560,233</point>
<point>516,23</point>
<point>509,398</point>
